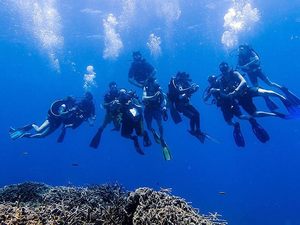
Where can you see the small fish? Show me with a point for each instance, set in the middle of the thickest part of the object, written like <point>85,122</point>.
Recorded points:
<point>25,153</point>
<point>222,193</point>
<point>75,164</point>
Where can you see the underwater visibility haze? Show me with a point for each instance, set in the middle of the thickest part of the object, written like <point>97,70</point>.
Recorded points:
<point>50,49</point>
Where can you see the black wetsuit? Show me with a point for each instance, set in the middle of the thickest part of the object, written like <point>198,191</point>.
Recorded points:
<point>228,106</point>
<point>84,110</point>
<point>112,107</point>
<point>245,95</point>
<point>181,101</point>
<point>254,70</point>
<point>132,117</point>
<point>153,107</point>
<point>140,71</point>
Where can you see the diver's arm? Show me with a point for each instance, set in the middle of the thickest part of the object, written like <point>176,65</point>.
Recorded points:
<point>253,60</point>
<point>241,85</point>
<point>149,97</point>
<point>134,82</point>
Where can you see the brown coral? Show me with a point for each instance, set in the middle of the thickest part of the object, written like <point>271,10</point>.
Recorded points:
<point>38,204</point>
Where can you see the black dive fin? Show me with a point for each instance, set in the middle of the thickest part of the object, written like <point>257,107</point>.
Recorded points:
<point>62,135</point>
<point>270,104</point>
<point>96,139</point>
<point>259,132</point>
<point>175,114</point>
<point>291,96</point>
<point>238,136</point>
<point>199,135</point>
<point>166,151</point>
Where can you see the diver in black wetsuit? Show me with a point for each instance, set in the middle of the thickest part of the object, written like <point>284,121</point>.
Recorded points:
<point>59,111</point>
<point>140,70</point>
<point>84,110</point>
<point>249,62</point>
<point>155,108</point>
<point>181,89</point>
<point>113,114</point>
<point>230,108</point>
<point>132,119</point>
<point>233,84</point>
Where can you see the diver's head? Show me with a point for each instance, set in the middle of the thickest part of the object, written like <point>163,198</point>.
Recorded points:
<point>88,96</point>
<point>137,56</point>
<point>243,49</point>
<point>224,67</point>
<point>113,87</point>
<point>183,76</point>
<point>212,79</point>
<point>151,79</point>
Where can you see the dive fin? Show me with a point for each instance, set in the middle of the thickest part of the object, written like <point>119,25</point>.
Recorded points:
<point>259,132</point>
<point>175,114</point>
<point>270,104</point>
<point>166,151</point>
<point>137,145</point>
<point>96,139</point>
<point>238,136</point>
<point>62,135</point>
<point>199,135</point>
<point>20,132</point>
<point>291,96</point>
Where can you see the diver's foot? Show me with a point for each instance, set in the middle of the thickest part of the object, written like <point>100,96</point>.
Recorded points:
<point>238,136</point>
<point>146,139</point>
<point>198,134</point>
<point>137,145</point>
<point>260,133</point>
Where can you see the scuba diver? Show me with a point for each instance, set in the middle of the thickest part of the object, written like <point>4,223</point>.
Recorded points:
<point>112,106</point>
<point>84,110</point>
<point>230,108</point>
<point>59,111</point>
<point>155,108</point>
<point>140,70</point>
<point>180,91</point>
<point>132,119</point>
<point>234,85</point>
<point>249,62</point>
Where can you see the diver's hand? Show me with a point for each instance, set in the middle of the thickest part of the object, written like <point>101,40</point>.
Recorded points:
<point>232,94</point>
<point>195,87</point>
<point>164,114</point>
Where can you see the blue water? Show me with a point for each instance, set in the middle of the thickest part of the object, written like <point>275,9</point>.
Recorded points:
<point>261,181</point>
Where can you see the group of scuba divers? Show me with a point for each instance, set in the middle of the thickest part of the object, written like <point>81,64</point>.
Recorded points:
<point>229,91</point>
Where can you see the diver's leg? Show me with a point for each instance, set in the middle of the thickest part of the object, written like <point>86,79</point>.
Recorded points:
<point>270,93</point>
<point>148,118</point>
<point>264,114</point>
<point>46,131</point>
<point>266,79</point>
<point>187,113</point>
<point>196,116</point>
<point>39,129</point>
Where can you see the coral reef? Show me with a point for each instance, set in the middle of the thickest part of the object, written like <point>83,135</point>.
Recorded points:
<point>37,204</point>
